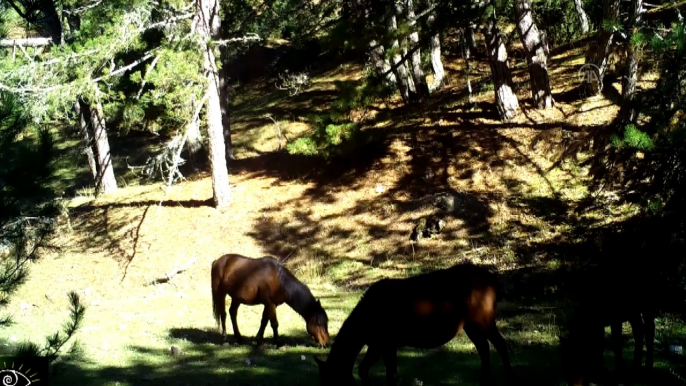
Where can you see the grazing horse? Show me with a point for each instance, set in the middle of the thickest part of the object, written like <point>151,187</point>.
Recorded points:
<point>606,303</point>
<point>424,311</point>
<point>263,281</point>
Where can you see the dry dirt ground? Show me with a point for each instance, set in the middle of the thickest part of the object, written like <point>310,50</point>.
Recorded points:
<point>338,226</point>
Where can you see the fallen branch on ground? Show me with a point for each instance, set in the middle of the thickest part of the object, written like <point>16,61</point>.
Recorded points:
<point>168,276</point>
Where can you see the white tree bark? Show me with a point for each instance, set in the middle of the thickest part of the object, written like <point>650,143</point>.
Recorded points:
<point>436,60</point>
<point>209,26</point>
<point>536,55</point>
<point>506,101</point>
<point>418,77</point>
<point>583,17</point>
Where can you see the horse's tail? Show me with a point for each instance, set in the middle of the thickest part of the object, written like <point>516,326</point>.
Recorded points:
<point>218,298</point>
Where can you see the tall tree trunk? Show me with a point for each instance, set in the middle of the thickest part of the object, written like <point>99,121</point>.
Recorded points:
<point>466,53</point>
<point>105,183</point>
<point>86,138</point>
<point>209,26</point>
<point>418,77</point>
<point>401,74</point>
<point>377,53</point>
<point>536,55</point>
<point>505,99</point>
<point>583,17</point>
<point>628,111</point>
<point>225,102</point>
<point>471,39</point>
<point>436,60</point>
<point>598,52</point>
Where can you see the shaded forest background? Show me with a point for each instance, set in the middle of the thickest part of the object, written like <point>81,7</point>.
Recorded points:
<point>142,139</point>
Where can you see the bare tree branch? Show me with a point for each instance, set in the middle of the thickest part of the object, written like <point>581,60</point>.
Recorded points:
<point>242,39</point>
<point>27,42</point>
<point>125,68</point>
<point>81,10</point>
<point>166,22</point>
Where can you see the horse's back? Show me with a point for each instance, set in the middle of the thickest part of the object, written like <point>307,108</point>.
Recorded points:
<point>429,309</point>
<point>242,277</point>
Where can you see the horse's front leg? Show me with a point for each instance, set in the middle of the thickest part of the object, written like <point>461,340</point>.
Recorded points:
<point>390,358</point>
<point>270,309</point>
<point>372,355</point>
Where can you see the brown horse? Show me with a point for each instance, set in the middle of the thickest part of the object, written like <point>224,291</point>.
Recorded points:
<point>263,281</point>
<point>605,303</point>
<point>423,311</point>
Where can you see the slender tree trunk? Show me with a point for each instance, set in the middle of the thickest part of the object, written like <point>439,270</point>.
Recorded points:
<point>377,52</point>
<point>86,138</point>
<point>382,66</point>
<point>471,39</point>
<point>505,99</point>
<point>466,53</point>
<point>105,183</point>
<point>536,55</point>
<point>436,60</point>
<point>401,74</point>
<point>598,52</point>
<point>209,26</point>
<point>225,102</point>
<point>418,77</point>
<point>583,17</point>
<point>628,110</point>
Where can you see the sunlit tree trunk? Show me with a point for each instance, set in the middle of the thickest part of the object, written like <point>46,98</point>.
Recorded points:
<point>466,54</point>
<point>436,59</point>
<point>418,77</point>
<point>628,110</point>
<point>105,181</point>
<point>86,139</point>
<point>209,26</point>
<point>505,99</point>
<point>536,55</point>
<point>401,73</point>
<point>598,52</point>
<point>583,17</point>
<point>377,52</point>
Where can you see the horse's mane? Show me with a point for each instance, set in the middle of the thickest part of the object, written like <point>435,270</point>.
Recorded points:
<point>298,295</point>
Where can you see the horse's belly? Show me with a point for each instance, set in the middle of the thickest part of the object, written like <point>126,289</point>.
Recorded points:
<point>429,334</point>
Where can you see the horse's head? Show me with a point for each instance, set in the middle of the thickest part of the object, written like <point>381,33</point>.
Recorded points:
<point>328,377</point>
<point>318,324</point>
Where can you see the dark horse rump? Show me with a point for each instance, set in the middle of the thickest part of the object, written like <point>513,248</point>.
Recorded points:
<point>263,281</point>
<point>423,311</point>
<point>603,300</point>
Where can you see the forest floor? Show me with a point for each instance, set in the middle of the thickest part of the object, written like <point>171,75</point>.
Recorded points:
<point>339,226</point>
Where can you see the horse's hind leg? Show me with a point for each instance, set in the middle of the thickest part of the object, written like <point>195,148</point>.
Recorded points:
<point>500,345</point>
<point>371,357</point>
<point>617,344</point>
<point>233,312</point>
<point>638,332</point>
<point>390,359</point>
<point>479,338</point>
<point>649,324</point>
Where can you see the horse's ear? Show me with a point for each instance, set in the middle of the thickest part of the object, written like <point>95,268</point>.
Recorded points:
<point>318,302</point>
